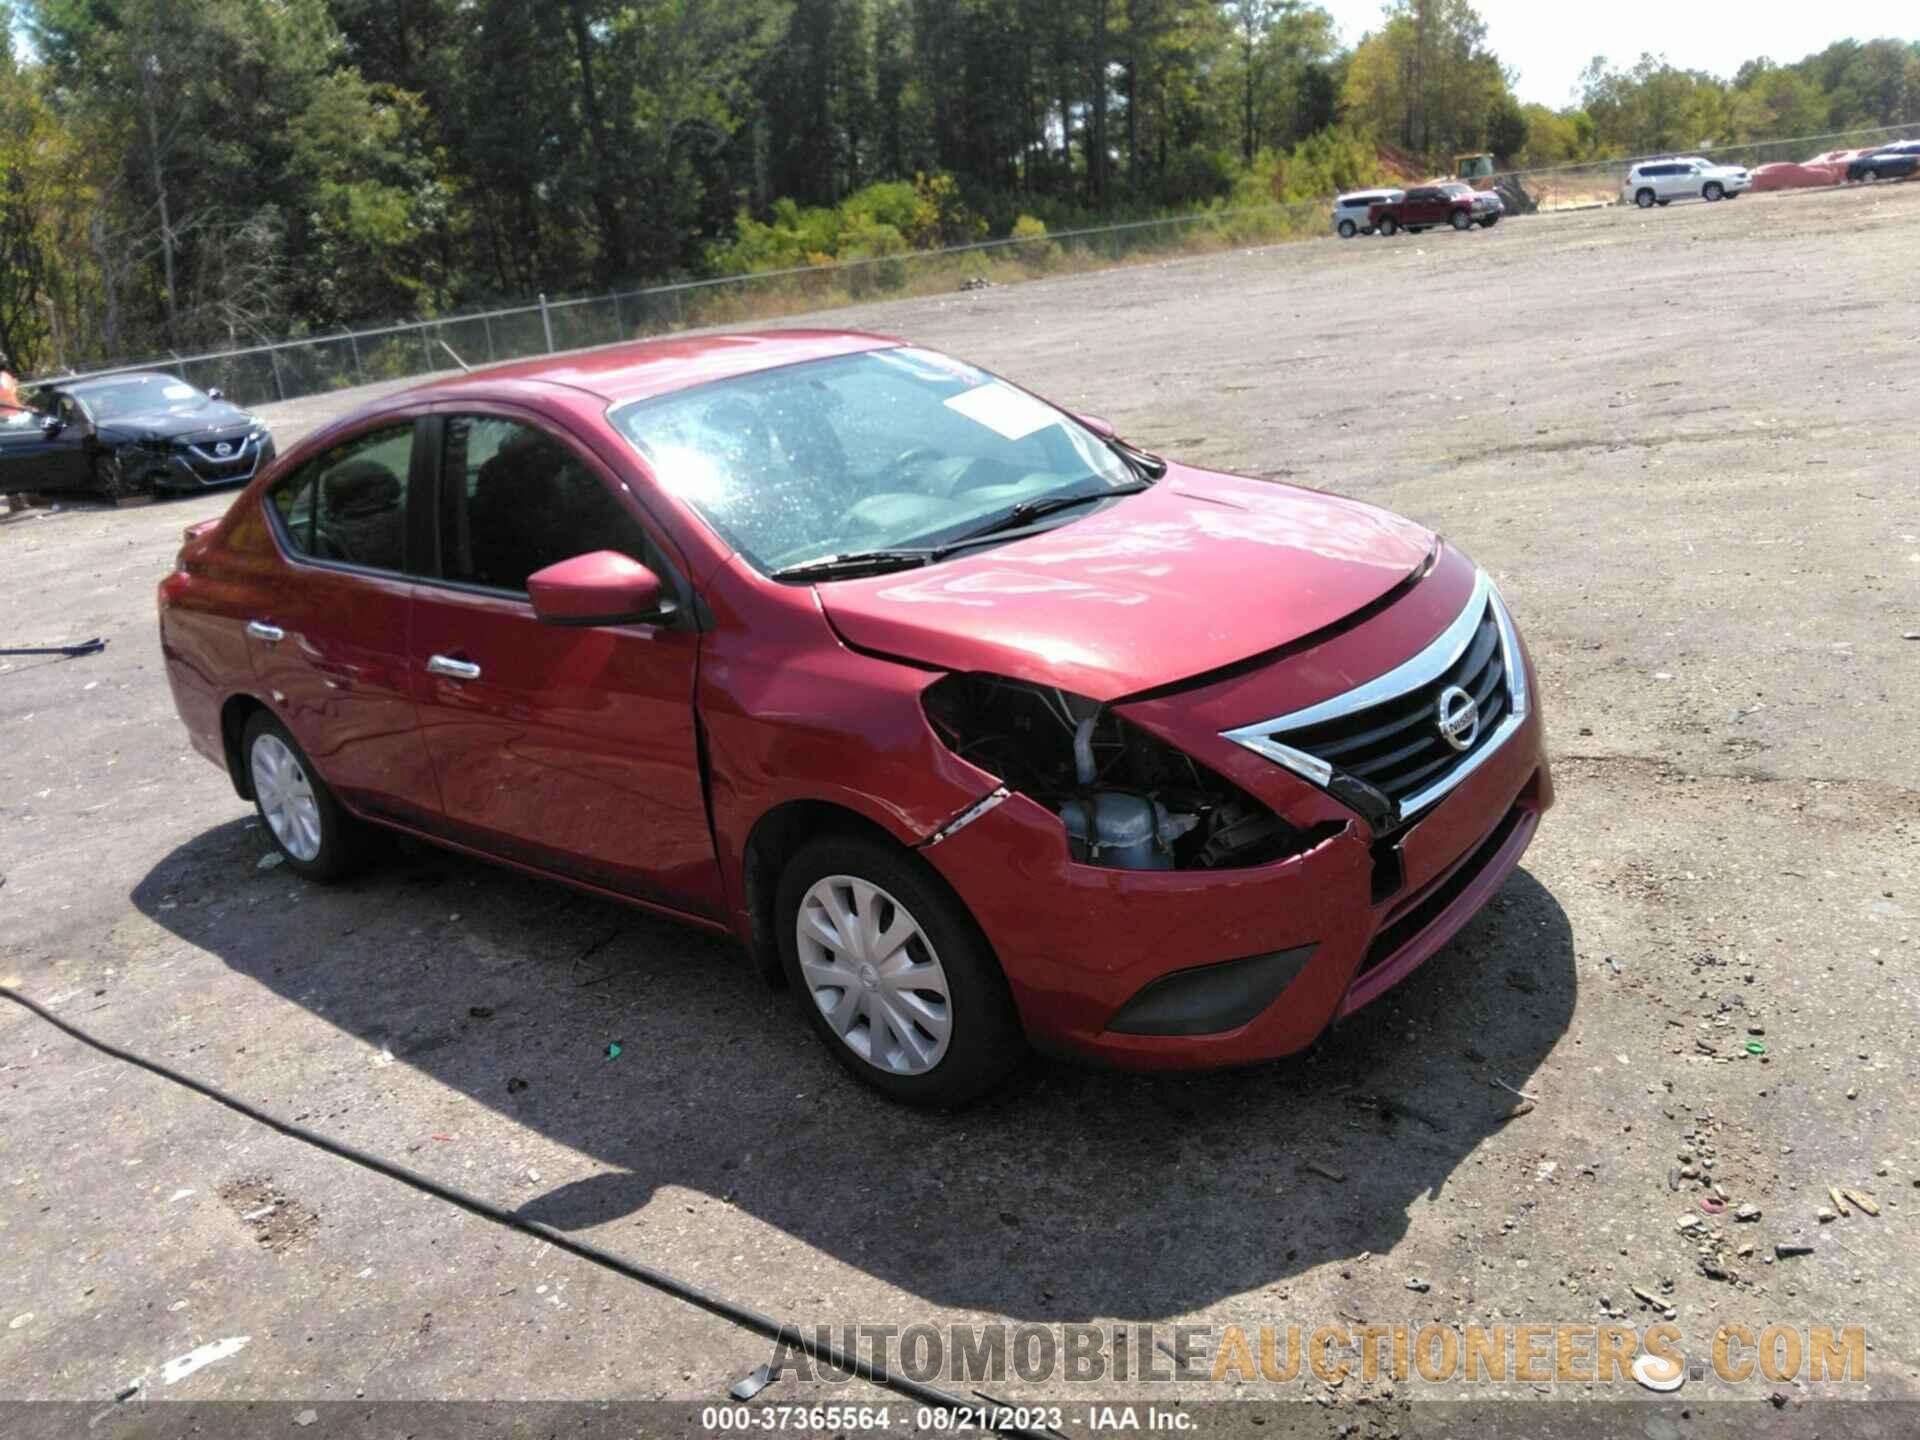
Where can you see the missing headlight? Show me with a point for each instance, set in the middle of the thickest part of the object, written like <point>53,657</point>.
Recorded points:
<point>1128,800</point>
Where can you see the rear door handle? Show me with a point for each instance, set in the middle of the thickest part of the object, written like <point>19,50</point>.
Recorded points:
<point>453,669</point>
<point>260,630</point>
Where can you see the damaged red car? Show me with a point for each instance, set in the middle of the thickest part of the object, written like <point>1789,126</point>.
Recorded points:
<point>979,726</point>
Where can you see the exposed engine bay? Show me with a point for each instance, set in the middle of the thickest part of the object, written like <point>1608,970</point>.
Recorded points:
<point>1128,800</point>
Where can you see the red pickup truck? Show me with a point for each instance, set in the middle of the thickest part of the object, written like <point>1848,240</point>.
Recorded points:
<point>1425,206</point>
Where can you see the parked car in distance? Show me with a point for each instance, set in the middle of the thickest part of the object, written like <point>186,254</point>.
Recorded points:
<point>1827,168</point>
<point>1683,177</point>
<point>1352,212</point>
<point>980,726</point>
<point>1425,206</point>
<point>1889,162</point>
<point>128,434</point>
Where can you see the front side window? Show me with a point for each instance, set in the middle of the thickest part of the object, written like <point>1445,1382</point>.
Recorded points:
<point>350,504</point>
<point>889,448</point>
<point>515,499</point>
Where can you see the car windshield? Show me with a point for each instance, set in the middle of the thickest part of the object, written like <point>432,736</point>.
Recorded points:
<point>142,395</point>
<point>883,450</point>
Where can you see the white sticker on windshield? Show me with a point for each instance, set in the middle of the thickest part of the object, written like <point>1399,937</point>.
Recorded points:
<point>1007,412</point>
<point>177,391</point>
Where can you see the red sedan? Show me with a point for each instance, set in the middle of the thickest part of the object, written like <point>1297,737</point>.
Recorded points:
<point>977,724</point>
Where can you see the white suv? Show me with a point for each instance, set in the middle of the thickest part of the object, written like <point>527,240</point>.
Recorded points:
<point>1682,177</point>
<point>1350,211</point>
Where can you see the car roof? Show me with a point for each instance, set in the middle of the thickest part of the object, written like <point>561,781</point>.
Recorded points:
<point>646,368</point>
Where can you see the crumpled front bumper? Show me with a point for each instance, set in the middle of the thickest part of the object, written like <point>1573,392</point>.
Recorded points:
<point>143,468</point>
<point>1077,942</point>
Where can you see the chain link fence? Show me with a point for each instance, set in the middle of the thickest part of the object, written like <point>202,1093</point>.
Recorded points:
<point>315,364</point>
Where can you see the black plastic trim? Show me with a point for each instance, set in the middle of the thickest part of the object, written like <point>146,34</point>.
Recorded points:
<point>1210,999</point>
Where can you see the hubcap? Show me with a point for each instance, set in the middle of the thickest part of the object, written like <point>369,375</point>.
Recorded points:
<point>874,974</point>
<point>285,794</point>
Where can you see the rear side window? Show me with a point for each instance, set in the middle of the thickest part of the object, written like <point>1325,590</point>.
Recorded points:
<point>350,503</point>
<point>515,499</point>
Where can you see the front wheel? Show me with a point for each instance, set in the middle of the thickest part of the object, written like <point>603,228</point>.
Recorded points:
<point>893,974</point>
<point>1644,199</point>
<point>1869,176</point>
<point>1462,221</point>
<point>109,480</point>
<point>1713,190</point>
<point>315,836</point>
<point>1388,225</point>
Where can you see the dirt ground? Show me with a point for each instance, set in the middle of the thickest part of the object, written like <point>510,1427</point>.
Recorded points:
<point>1682,442</point>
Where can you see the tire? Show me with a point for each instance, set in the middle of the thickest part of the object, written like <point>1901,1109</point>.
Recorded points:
<point>1712,190</point>
<point>942,972</point>
<point>109,480</point>
<point>1348,230</point>
<point>1645,199</point>
<point>1461,221</point>
<point>318,840</point>
<point>1388,226</point>
<point>1867,177</point>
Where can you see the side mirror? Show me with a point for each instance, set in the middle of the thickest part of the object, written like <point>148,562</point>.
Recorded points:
<point>52,424</point>
<point>216,394</point>
<point>600,588</point>
<point>1099,425</point>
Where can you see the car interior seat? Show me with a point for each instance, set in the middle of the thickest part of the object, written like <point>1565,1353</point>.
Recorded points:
<point>360,515</point>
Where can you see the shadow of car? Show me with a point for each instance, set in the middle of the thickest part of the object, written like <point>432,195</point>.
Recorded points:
<point>506,990</point>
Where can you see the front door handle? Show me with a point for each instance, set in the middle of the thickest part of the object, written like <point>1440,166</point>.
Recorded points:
<point>453,669</point>
<point>260,630</point>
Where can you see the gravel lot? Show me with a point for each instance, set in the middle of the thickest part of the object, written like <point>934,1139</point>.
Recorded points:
<point>1684,445</point>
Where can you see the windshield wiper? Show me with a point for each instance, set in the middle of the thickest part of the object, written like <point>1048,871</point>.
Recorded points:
<point>855,562</point>
<point>1027,511</point>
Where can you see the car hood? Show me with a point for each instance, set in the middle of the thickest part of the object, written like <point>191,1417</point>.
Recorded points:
<point>1203,570</point>
<point>202,422</point>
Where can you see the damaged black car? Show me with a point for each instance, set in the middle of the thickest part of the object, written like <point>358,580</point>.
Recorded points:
<point>119,435</point>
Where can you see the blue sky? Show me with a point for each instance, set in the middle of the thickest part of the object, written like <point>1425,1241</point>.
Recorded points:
<point>1550,41</point>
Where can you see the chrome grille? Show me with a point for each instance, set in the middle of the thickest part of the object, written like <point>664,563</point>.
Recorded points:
<point>1396,747</point>
<point>1389,734</point>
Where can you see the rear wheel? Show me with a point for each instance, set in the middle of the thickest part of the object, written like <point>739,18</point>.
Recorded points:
<point>893,974</point>
<point>1462,221</point>
<point>1713,190</point>
<point>1348,229</point>
<point>1388,225</point>
<point>312,832</point>
<point>1645,199</point>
